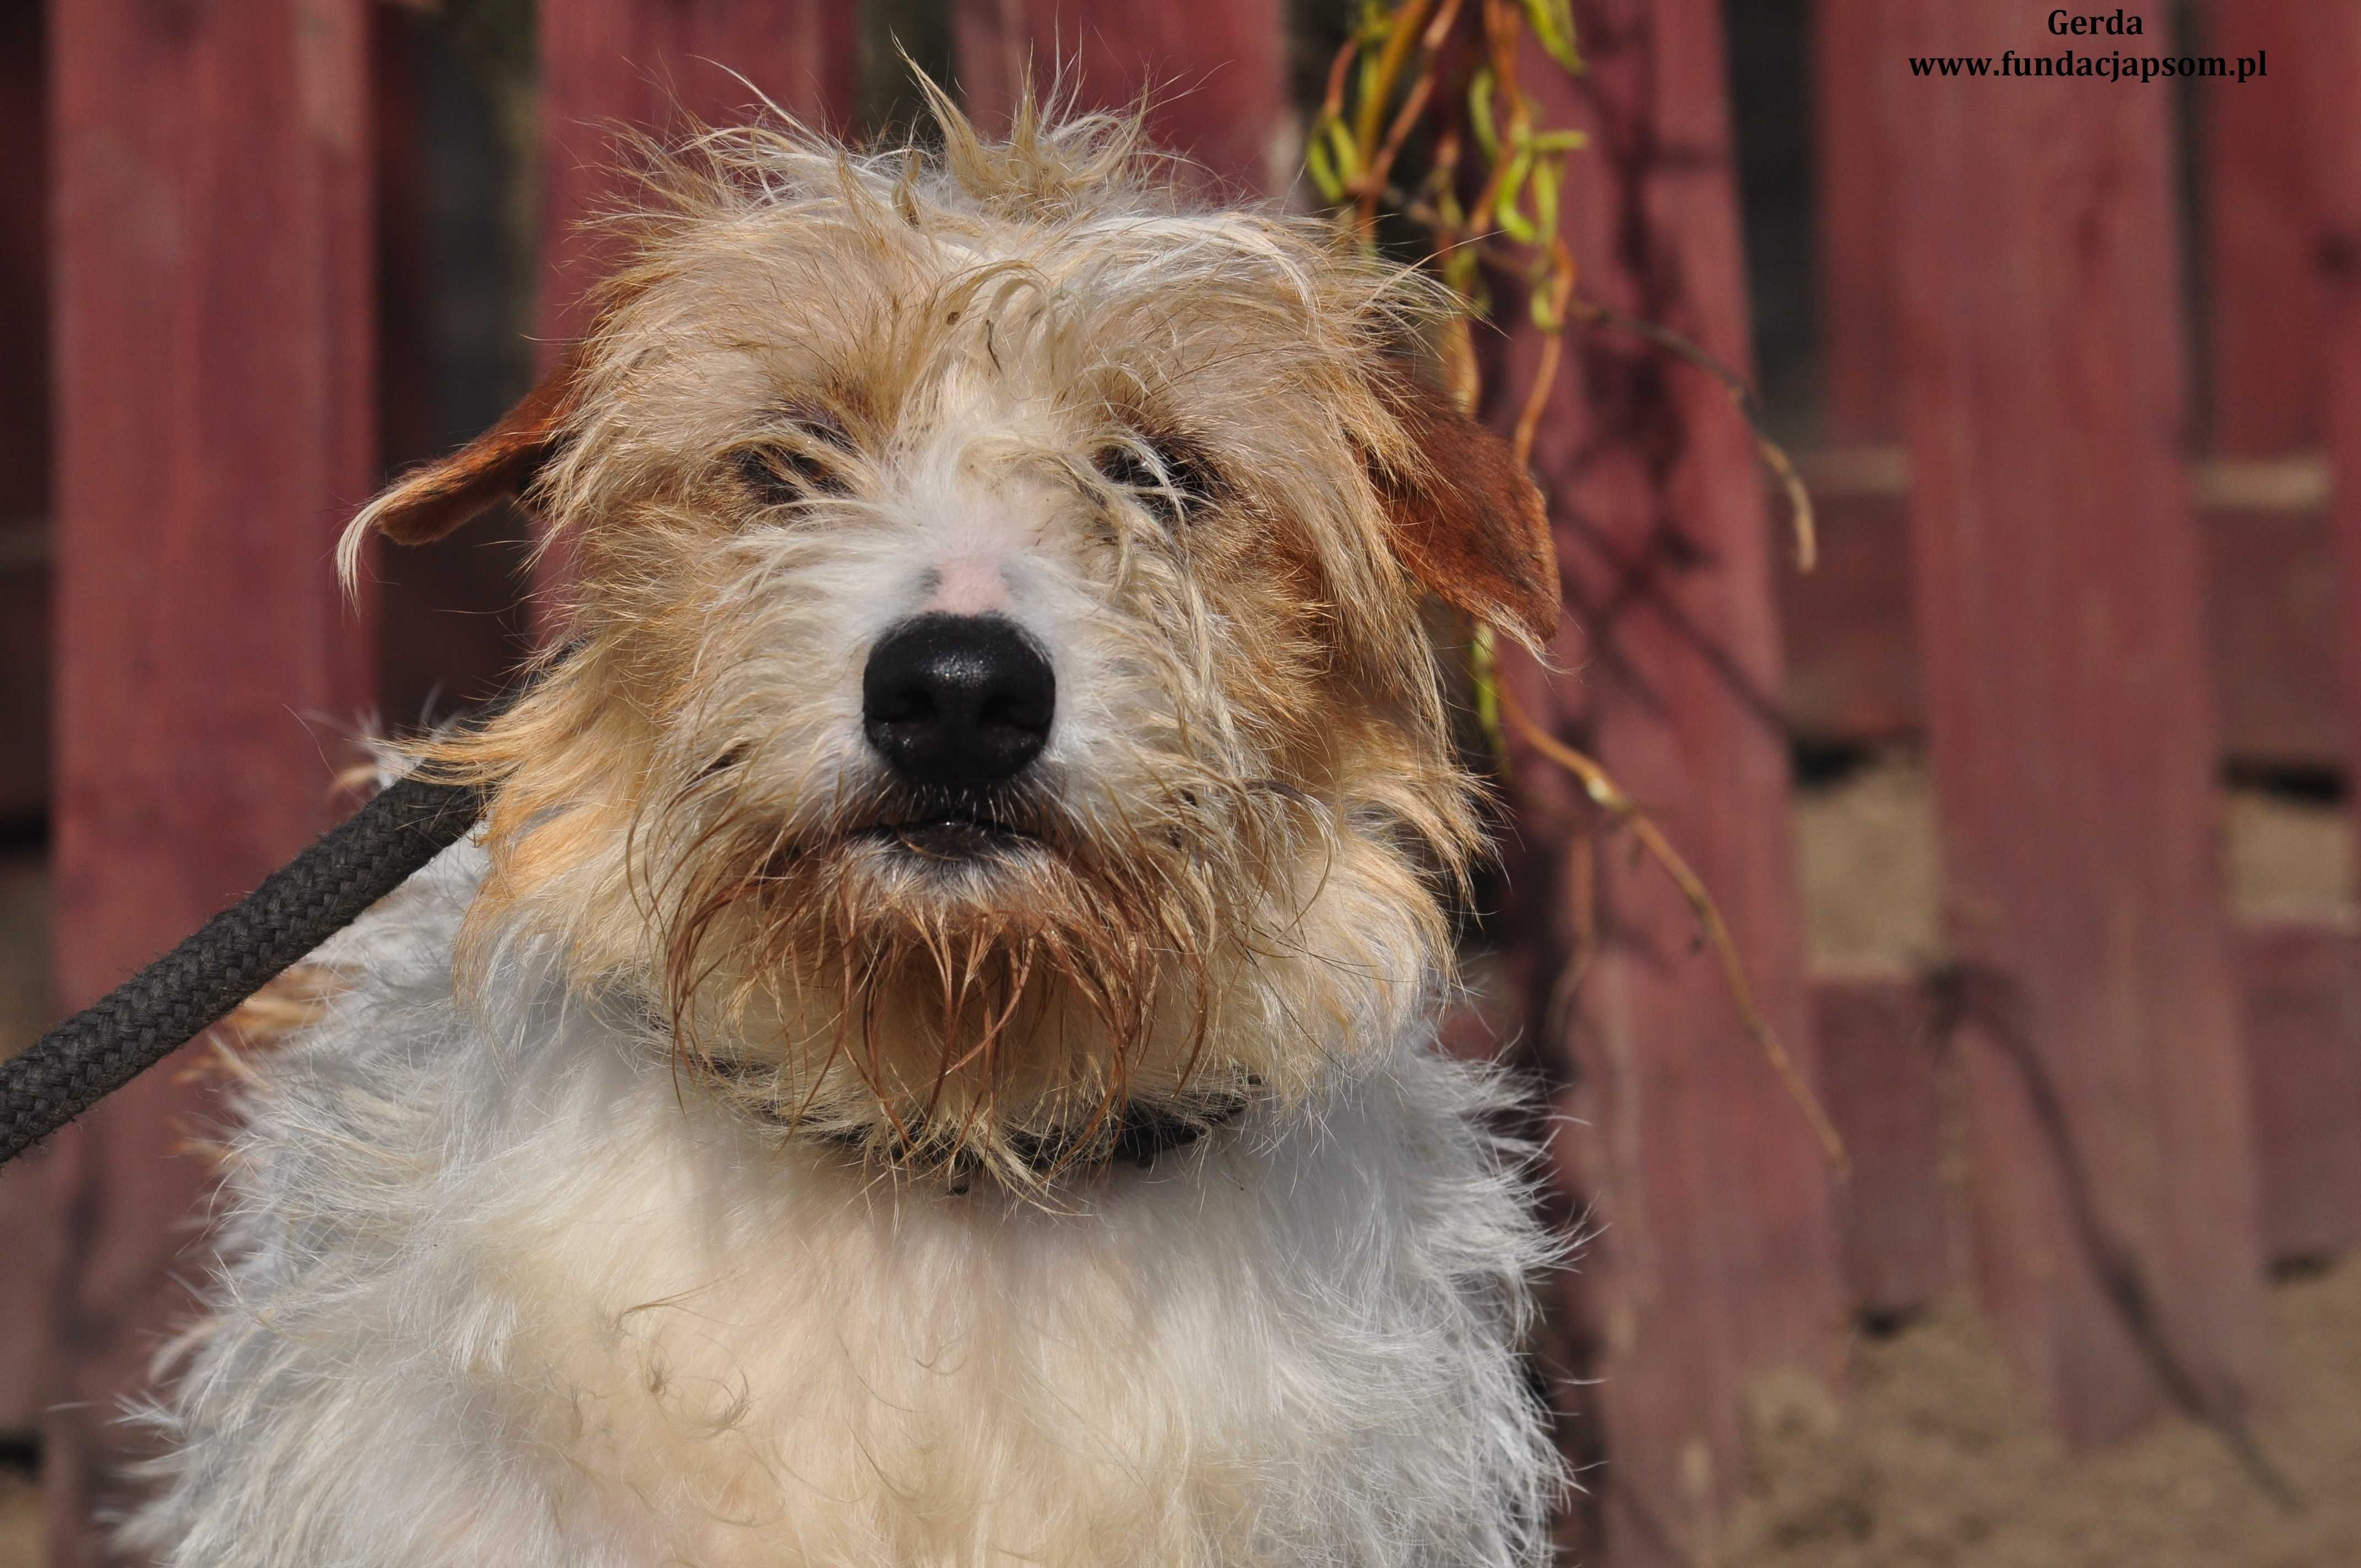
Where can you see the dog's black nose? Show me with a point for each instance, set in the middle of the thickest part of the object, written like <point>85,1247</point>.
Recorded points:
<point>958,700</point>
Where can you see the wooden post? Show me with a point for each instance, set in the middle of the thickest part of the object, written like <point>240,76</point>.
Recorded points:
<point>2310,1100</point>
<point>1852,182</point>
<point>2302,988</point>
<point>1715,1258</point>
<point>212,352</point>
<point>1214,73</point>
<point>2072,735</point>
<point>2266,293</point>
<point>1901,1230</point>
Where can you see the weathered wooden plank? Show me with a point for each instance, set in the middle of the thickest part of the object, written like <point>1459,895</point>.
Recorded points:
<point>2273,629</point>
<point>2071,732</point>
<point>1903,1228</point>
<point>1853,185</point>
<point>2301,985</point>
<point>2318,1176</point>
<point>1715,1261</point>
<point>1850,674</point>
<point>2266,299</point>
<point>1213,74</point>
<point>212,339</point>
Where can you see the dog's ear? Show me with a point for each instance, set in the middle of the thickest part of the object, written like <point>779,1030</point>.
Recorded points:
<point>1468,522</point>
<point>429,501</point>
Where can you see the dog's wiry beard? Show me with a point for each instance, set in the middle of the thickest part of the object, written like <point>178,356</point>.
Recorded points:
<point>965,1010</point>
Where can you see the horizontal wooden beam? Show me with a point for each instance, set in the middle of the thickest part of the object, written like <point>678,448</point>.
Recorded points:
<point>2295,482</point>
<point>1853,649</point>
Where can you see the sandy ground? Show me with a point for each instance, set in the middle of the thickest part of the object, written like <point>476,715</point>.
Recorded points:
<point>20,1520</point>
<point>1938,1459</point>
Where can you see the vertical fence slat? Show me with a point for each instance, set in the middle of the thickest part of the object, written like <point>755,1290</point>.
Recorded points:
<point>2309,1100</point>
<point>2265,295</point>
<point>1215,73</point>
<point>212,360</point>
<point>1853,190</point>
<point>2060,591</point>
<point>1852,672</point>
<point>1903,1234</point>
<point>2302,993</point>
<point>1715,1261</point>
<point>2274,151</point>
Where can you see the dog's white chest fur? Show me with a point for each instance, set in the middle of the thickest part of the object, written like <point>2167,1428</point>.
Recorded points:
<point>507,1293</point>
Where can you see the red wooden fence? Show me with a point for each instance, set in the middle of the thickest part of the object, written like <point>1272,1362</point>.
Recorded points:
<point>2005,382</point>
<point>2308,1084</point>
<point>212,327</point>
<point>1717,1257</point>
<point>2071,733</point>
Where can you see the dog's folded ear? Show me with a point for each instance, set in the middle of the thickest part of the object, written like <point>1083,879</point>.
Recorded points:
<point>429,501</point>
<point>1467,523</point>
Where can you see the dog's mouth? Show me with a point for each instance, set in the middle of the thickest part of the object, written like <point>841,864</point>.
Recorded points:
<point>954,831</point>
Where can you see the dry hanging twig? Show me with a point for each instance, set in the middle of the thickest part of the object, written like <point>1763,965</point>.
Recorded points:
<point>1450,67</point>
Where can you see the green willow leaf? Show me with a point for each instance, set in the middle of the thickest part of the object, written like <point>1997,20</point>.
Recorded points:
<point>1553,25</point>
<point>1479,112</point>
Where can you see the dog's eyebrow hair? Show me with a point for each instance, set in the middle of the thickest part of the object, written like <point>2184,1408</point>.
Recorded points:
<point>809,419</point>
<point>780,477</point>
<point>1191,473</point>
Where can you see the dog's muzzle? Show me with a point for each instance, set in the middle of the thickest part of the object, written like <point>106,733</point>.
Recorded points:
<point>957,702</point>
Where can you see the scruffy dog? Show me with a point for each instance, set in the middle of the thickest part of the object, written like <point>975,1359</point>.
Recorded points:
<point>929,1058</point>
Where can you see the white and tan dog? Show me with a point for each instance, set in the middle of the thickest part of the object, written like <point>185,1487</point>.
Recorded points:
<point>929,1060</point>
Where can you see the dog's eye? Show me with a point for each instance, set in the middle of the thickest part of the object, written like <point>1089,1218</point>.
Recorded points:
<point>778,476</point>
<point>1185,483</point>
<point>796,466</point>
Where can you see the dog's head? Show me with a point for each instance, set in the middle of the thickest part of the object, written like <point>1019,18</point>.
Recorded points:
<point>997,691</point>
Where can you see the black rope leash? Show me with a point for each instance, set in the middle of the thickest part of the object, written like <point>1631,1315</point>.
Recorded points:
<point>231,956</point>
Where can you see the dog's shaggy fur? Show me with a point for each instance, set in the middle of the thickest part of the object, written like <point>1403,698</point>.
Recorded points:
<point>713,1162</point>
